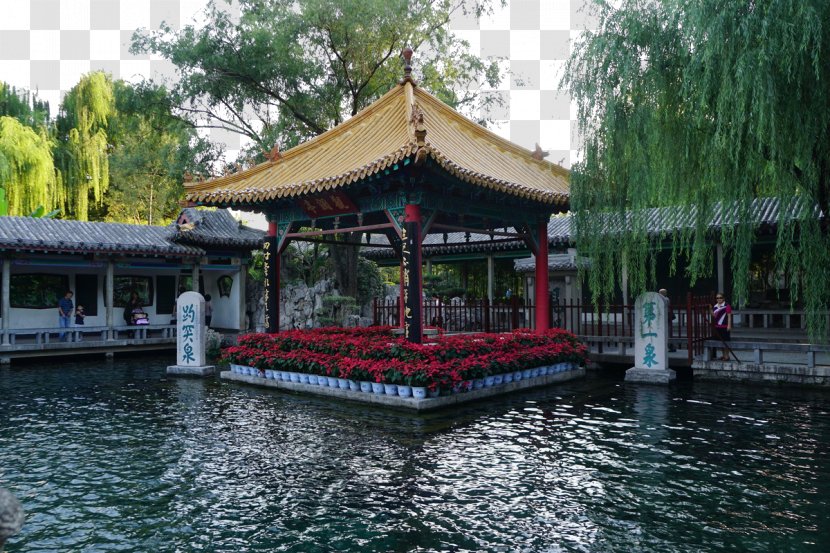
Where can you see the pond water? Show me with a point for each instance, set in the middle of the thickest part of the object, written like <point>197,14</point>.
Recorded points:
<point>115,457</point>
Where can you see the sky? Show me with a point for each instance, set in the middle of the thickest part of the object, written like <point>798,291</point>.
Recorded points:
<point>46,45</point>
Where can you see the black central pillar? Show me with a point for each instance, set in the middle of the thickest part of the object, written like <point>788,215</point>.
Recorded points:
<point>271,268</point>
<point>413,297</point>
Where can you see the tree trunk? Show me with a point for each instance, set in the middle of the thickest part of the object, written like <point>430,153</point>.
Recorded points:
<point>345,263</point>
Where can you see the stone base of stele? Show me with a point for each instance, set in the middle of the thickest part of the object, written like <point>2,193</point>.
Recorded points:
<point>650,376</point>
<point>179,370</point>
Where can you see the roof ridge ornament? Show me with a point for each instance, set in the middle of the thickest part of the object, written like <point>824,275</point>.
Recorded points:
<point>539,153</point>
<point>407,66</point>
<point>274,155</point>
<point>419,131</point>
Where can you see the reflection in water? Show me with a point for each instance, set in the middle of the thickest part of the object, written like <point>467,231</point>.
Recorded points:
<point>119,458</point>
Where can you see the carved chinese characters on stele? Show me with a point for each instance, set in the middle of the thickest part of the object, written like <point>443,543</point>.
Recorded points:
<point>190,341</point>
<point>651,332</point>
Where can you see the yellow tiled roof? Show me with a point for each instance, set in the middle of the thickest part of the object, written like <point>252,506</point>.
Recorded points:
<point>382,135</point>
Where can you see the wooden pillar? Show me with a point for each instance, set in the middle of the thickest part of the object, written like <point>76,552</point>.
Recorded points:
<point>413,288</point>
<point>429,266</point>
<point>542,295</point>
<point>491,276</point>
<point>719,254</point>
<point>5,312</point>
<point>272,279</point>
<point>108,298</point>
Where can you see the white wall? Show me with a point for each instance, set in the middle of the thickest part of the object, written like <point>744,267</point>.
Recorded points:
<point>225,309</point>
<point>47,318</point>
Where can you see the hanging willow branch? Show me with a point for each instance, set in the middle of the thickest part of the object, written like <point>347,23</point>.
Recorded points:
<point>704,106</point>
<point>26,170</point>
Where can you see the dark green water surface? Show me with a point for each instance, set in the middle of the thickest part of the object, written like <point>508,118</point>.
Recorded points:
<point>114,457</point>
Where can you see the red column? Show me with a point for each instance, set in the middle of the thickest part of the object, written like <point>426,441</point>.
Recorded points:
<point>542,295</point>
<point>272,279</point>
<point>413,317</point>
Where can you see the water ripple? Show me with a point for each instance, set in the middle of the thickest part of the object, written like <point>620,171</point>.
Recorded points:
<point>115,457</point>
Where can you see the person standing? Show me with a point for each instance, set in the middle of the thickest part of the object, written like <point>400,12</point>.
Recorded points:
<point>722,321</point>
<point>208,310</point>
<point>65,310</point>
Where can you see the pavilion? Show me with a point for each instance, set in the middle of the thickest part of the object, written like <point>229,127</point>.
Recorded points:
<point>405,167</point>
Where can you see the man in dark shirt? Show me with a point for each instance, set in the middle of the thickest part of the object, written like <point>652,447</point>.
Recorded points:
<point>65,310</point>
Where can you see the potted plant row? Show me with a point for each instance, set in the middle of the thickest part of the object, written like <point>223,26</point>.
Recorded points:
<point>373,361</point>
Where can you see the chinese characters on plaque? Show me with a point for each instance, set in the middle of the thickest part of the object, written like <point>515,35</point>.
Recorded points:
<point>332,203</point>
<point>271,296</point>
<point>651,330</point>
<point>190,336</point>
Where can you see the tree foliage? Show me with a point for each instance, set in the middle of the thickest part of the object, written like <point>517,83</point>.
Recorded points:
<point>82,130</point>
<point>704,106</point>
<point>284,71</point>
<point>151,150</point>
<point>113,143</point>
<point>26,169</point>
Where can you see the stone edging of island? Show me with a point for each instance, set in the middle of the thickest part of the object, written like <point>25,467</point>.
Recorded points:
<point>410,403</point>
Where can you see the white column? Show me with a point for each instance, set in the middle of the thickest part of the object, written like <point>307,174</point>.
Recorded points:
<point>719,254</point>
<point>491,275</point>
<point>241,278</point>
<point>194,286</point>
<point>6,303</point>
<point>108,286</point>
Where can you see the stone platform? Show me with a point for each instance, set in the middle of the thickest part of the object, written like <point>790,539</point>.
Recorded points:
<point>650,376</point>
<point>413,404</point>
<point>767,373</point>
<point>181,370</point>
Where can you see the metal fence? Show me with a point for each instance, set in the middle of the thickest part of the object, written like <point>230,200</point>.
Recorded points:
<point>690,318</point>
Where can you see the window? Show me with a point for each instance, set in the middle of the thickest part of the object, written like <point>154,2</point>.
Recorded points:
<point>37,291</point>
<point>126,285</point>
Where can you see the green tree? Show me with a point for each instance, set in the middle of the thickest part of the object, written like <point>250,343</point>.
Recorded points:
<point>27,173</point>
<point>24,106</point>
<point>286,70</point>
<point>82,155</point>
<point>702,106</point>
<point>151,150</point>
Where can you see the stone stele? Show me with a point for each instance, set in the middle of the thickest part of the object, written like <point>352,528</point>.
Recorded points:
<point>190,337</point>
<point>651,335</point>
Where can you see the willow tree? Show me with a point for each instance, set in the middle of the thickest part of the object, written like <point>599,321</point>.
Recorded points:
<point>82,133</point>
<point>27,173</point>
<point>704,106</point>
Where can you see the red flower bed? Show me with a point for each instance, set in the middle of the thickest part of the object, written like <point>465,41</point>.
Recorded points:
<point>374,354</point>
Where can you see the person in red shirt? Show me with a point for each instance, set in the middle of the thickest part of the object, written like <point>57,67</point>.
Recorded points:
<point>722,321</point>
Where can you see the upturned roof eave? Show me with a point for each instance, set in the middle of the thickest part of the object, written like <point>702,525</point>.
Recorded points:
<point>225,191</point>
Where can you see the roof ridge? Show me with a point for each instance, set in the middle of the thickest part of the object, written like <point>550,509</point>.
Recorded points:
<point>322,138</point>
